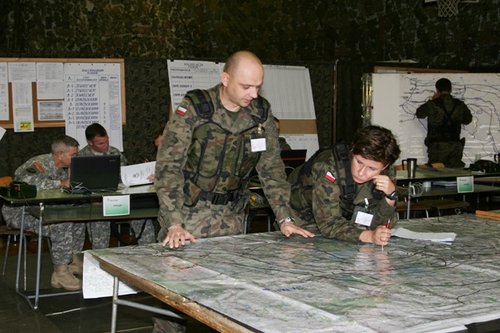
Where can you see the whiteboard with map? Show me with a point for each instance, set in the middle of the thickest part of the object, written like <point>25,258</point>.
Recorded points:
<point>397,96</point>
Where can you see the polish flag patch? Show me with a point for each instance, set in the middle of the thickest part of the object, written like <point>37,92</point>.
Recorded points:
<point>181,111</point>
<point>330,177</point>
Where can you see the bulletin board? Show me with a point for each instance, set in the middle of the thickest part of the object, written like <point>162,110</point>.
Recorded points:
<point>59,92</point>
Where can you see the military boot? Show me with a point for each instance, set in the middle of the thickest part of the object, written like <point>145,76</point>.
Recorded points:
<point>62,278</point>
<point>76,266</point>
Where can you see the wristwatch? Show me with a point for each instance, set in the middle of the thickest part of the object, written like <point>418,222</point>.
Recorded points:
<point>392,196</point>
<point>286,220</point>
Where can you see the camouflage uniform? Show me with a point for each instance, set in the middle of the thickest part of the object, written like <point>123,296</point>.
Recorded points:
<point>445,115</point>
<point>185,181</point>
<point>283,144</point>
<point>99,231</point>
<point>316,200</point>
<point>67,238</point>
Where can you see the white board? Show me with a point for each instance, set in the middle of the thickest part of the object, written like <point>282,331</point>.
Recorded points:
<point>397,96</point>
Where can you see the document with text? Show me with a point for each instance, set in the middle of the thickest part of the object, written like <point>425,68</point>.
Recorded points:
<point>138,174</point>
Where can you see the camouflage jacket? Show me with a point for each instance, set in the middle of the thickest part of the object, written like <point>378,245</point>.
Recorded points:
<point>316,199</point>
<point>283,144</point>
<point>87,151</point>
<point>187,134</point>
<point>445,116</point>
<point>42,172</point>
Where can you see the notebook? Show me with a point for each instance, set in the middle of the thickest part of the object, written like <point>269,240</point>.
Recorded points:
<point>94,173</point>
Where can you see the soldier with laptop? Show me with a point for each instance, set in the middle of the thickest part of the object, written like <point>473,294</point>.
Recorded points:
<point>99,232</point>
<point>49,171</point>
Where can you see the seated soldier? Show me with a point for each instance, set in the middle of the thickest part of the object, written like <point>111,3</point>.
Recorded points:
<point>50,171</point>
<point>99,232</point>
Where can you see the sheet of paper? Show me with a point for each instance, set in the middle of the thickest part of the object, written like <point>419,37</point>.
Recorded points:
<point>98,283</point>
<point>138,174</point>
<point>429,236</point>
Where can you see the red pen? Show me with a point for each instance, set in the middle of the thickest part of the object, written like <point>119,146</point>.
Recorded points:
<point>388,226</point>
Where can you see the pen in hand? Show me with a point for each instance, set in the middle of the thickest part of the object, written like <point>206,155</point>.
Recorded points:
<point>388,226</point>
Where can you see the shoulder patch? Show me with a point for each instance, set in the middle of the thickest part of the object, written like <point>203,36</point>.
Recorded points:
<point>181,111</point>
<point>330,177</point>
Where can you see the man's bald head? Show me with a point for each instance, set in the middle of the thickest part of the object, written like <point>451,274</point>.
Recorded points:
<point>241,80</point>
<point>240,58</point>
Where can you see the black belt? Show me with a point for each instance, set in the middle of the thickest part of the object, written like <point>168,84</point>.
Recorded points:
<point>219,198</point>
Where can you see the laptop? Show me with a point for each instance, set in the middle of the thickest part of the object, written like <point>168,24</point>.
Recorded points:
<point>94,173</point>
<point>293,158</point>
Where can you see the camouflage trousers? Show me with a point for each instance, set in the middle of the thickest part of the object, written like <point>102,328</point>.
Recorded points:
<point>66,239</point>
<point>99,234</point>
<point>148,234</point>
<point>207,220</point>
<point>449,153</point>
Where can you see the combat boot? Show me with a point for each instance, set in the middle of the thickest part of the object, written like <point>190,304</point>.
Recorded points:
<point>76,266</point>
<point>62,278</point>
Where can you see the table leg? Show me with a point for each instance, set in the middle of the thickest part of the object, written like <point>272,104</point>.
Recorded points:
<point>39,257</point>
<point>115,304</point>
<point>20,252</point>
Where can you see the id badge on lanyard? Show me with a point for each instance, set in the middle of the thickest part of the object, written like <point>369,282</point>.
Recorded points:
<point>258,142</point>
<point>362,215</point>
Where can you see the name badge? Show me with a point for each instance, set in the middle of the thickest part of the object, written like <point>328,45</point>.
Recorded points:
<point>364,218</point>
<point>258,145</point>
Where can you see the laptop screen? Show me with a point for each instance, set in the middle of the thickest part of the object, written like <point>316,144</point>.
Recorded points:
<point>94,173</point>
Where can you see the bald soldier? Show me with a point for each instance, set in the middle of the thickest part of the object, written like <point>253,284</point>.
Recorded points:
<point>213,141</point>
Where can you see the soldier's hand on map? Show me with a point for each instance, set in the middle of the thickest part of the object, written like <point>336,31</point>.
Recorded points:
<point>379,236</point>
<point>289,229</point>
<point>177,236</point>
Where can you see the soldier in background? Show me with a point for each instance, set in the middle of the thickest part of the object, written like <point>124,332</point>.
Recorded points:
<point>445,116</point>
<point>99,232</point>
<point>50,171</point>
<point>211,144</point>
<point>348,193</point>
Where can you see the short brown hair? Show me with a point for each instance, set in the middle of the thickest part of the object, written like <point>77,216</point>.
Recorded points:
<point>377,144</point>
